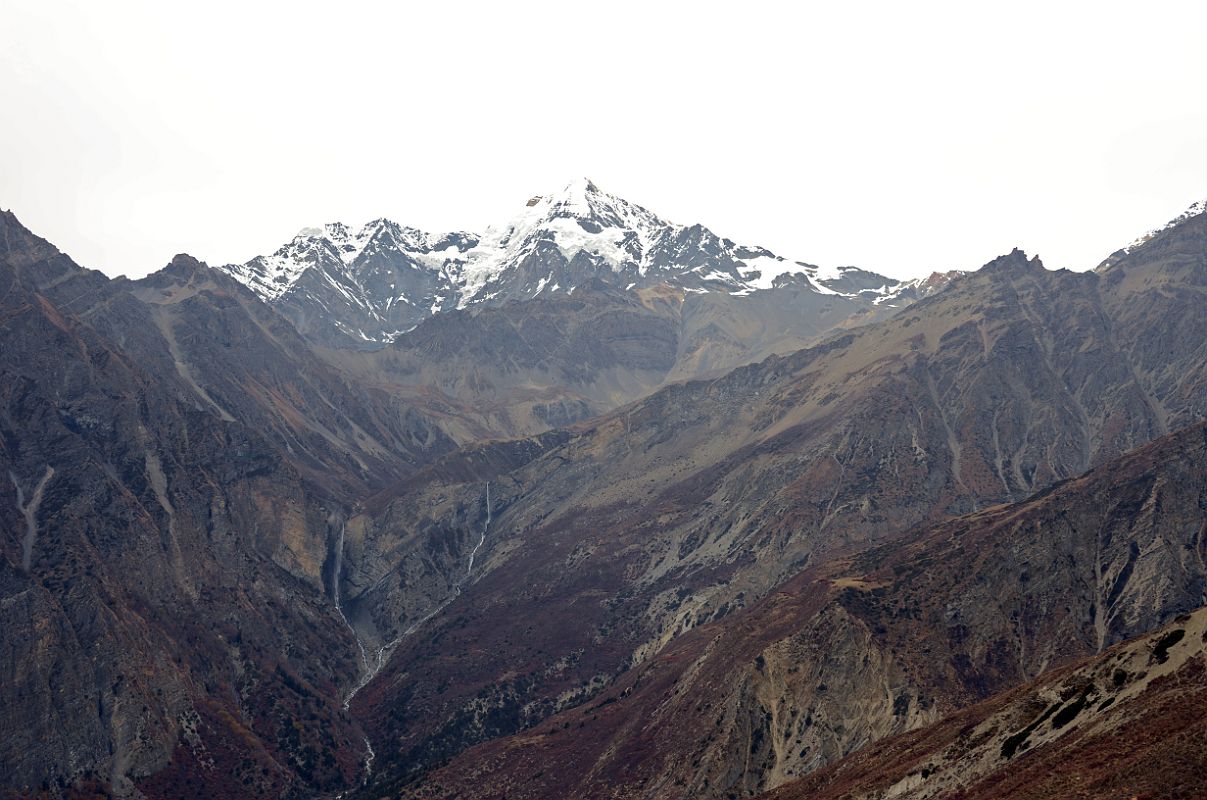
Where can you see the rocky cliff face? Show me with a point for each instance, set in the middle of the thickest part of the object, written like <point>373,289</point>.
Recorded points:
<point>1125,723</point>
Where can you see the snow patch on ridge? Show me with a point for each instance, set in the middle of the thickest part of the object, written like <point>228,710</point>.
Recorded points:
<point>1194,210</point>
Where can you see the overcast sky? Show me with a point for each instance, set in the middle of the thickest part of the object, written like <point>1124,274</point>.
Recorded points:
<point>901,137</point>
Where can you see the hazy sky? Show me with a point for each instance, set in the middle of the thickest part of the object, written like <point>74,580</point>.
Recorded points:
<point>901,137</point>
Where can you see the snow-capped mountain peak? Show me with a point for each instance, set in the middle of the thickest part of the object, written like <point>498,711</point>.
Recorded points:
<point>387,277</point>
<point>578,219</point>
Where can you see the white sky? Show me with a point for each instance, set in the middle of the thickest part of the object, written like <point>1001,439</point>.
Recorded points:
<point>901,137</point>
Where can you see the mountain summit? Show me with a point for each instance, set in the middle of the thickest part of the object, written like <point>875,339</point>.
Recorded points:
<point>363,286</point>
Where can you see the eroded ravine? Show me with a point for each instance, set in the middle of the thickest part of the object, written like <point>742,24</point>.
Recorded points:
<point>335,597</point>
<point>383,653</point>
<point>30,512</point>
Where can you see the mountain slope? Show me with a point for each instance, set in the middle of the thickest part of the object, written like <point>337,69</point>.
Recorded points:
<point>1126,723</point>
<point>1154,295</point>
<point>175,470</point>
<point>856,649</point>
<point>363,287</point>
<point>529,365</point>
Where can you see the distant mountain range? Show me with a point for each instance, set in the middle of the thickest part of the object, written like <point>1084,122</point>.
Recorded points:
<point>364,286</point>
